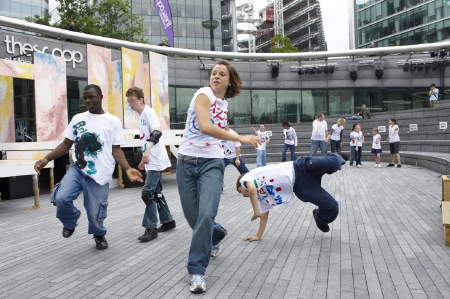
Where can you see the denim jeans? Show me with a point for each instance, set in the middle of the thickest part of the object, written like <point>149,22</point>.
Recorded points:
<point>307,186</point>
<point>335,146</point>
<point>95,200</point>
<point>156,204</point>
<point>355,155</point>
<point>291,148</point>
<point>200,182</point>
<point>241,168</point>
<point>260,158</point>
<point>318,144</point>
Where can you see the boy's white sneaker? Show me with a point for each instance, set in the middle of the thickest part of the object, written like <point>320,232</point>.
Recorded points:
<point>216,249</point>
<point>198,284</point>
<point>376,165</point>
<point>379,165</point>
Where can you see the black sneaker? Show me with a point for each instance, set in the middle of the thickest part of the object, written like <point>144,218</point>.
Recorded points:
<point>322,226</point>
<point>390,165</point>
<point>100,242</point>
<point>149,234</point>
<point>167,226</point>
<point>351,163</point>
<point>67,232</point>
<point>399,165</point>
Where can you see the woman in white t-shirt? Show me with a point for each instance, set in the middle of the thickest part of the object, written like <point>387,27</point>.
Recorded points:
<point>278,184</point>
<point>336,135</point>
<point>200,167</point>
<point>263,138</point>
<point>376,146</point>
<point>394,144</point>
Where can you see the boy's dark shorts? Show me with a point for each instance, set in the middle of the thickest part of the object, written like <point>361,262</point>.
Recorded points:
<point>394,147</point>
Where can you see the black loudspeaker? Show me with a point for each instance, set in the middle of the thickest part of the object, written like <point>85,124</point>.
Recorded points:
<point>275,70</point>
<point>379,74</point>
<point>16,187</point>
<point>133,157</point>
<point>354,75</point>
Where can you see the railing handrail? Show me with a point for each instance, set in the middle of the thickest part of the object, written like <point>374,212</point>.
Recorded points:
<point>111,42</point>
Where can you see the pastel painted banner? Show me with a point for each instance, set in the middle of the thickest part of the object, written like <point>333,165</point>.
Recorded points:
<point>50,96</point>
<point>100,71</point>
<point>160,88</point>
<point>133,76</point>
<point>16,69</point>
<point>146,83</point>
<point>115,104</point>
<point>6,110</point>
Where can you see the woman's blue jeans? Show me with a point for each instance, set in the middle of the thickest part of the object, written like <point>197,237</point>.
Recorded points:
<point>200,182</point>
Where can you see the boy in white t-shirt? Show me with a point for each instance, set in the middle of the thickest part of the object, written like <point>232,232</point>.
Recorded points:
<point>394,144</point>
<point>290,141</point>
<point>154,161</point>
<point>376,146</point>
<point>232,153</point>
<point>277,184</point>
<point>96,136</point>
<point>319,135</point>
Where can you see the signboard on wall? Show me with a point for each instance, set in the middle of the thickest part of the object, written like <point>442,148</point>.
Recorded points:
<point>413,127</point>
<point>442,125</point>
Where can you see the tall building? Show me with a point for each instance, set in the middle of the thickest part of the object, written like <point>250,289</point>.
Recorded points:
<point>197,24</point>
<point>229,29</point>
<point>302,24</point>
<point>394,23</point>
<point>23,8</point>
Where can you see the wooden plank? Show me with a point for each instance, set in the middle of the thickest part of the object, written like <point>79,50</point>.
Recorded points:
<point>445,188</point>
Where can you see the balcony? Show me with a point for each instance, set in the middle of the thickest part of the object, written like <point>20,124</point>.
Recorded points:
<point>297,14</point>
<point>291,30</point>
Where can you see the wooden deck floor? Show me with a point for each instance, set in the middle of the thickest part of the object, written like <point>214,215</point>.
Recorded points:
<point>386,243</point>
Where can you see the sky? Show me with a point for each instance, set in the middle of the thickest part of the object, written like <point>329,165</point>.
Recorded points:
<point>335,17</point>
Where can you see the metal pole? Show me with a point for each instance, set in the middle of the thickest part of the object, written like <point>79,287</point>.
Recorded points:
<point>211,29</point>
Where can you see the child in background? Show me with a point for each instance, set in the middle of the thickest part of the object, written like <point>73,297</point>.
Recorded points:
<point>356,142</point>
<point>376,146</point>
<point>261,148</point>
<point>277,184</point>
<point>290,141</point>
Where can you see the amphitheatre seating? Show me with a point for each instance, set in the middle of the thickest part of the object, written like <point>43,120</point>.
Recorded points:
<point>427,147</point>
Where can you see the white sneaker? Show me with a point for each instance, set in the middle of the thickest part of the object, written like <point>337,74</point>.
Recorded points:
<point>216,249</point>
<point>198,284</point>
<point>376,165</point>
<point>359,166</point>
<point>379,165</point>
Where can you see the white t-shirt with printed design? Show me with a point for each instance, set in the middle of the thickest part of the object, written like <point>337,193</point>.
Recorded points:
<point>195,143</point>
<point>336,132</point>
<point>159,159</point>
<point>229,147</point>
<point>356,139</point>
<point>320,128</point>
<point>393,134</point>
<point>274,184</point>
<point>290,136</point>
<point>263,139</point>
<point>94,136</point>
<point>376,141</point>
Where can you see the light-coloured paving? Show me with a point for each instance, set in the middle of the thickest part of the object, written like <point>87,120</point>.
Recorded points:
<point>387,242</point>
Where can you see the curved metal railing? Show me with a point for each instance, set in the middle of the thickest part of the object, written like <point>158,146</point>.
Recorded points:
<point>116,43</point>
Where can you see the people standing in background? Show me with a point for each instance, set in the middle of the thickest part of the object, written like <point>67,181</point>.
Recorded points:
<point>376,146</point>
<point>290,141</point>
<point>356,142</point>
<point>336,135</point>
<point>232,153</point>
<point>319,136</point>
<point>394,144</point>
<point>434,94</point>
<point>261,148</point>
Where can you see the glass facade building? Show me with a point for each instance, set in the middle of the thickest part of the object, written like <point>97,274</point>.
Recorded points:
<point>401,22</point>
<point>190,19</point>
<point>23,8</point>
